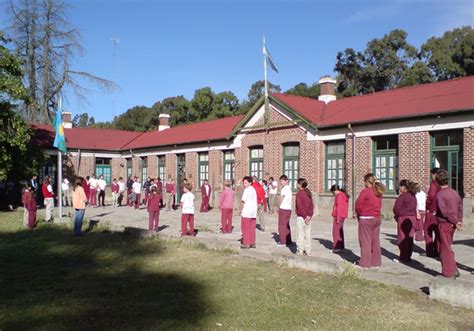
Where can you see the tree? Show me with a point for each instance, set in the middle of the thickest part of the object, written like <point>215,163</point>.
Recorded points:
<point>83,121</point>
<point>258,89</point>
<point>47,43</point>
<point>179,108</point>
<point>451,55</point>
<point>225,104</point>
<point>303,90</point>
<point>138,118</point>
<point>202,103</point>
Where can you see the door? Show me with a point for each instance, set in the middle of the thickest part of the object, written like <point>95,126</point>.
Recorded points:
<point>452,162</point>
<point>180,174</point>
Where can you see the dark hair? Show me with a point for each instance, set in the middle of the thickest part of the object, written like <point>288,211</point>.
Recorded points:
<point>114,180</point>
<point>264,182</point>
<point>154,189</point>
<point>304,184</point>
<point>120,178</point>
<point>78,182</point>
<point>411,187</point>
<point>271,178</point>
<point>435,170</point>
<point>379,189</point>
<point>87,177</point>
<point>442,177</point>
<point>248,179</point>
<point>336,187</point>
<point>284,177</point>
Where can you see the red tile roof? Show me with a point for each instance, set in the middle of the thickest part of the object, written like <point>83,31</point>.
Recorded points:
<point>440,97</point>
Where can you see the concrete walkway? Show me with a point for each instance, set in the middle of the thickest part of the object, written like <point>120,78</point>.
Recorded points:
<point>416,276</point>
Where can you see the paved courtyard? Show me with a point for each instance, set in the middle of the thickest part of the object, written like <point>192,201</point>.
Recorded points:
<point>416,275</point>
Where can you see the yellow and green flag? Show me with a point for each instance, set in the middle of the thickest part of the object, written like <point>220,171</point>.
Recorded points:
<point>59,139</point>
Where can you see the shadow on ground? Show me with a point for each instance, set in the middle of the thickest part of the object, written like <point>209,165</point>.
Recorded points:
<point>52,280</point>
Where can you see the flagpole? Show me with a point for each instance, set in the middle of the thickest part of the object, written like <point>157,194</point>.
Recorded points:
<point>60,166</point>
<point>265,82</point>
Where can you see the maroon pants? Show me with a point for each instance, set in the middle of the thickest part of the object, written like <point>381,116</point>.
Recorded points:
<point>284,226</point>
<point>129,201</point>
<point>204,204</point>
<point>153,220</point>
<point>137,200</point>
<point>431,233</point>
<point>226,220</point>
<point>185,219</point>
<point>31,219</point>
<point>337,234</point>
<point>369,241</point>
<point>405,234</point>
<point>446,254</point>
<point>146,197</point>
<point>248,226</point>
<point>419,226</point>
<point>93,197</point>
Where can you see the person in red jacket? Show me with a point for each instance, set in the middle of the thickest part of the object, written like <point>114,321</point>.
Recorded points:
<point>430,228</point>
<point>304,212</point>
<point>31,206</point>
<point>206,194</point>
<point>340,211</point>
<point>25,197</point>
<point>87,190</point>
<point>260,202</point>
<point>153,207</point>
<point>449,216</point>
<point>368,208</point>
<point>404,211</point>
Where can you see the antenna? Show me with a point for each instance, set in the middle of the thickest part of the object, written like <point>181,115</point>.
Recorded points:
<point>115,41</point>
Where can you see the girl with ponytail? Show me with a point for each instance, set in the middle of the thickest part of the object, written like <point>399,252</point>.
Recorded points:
<point>404,211</point>
<point>304,213</point>
<point>368,208</point>
<point>339,214</point>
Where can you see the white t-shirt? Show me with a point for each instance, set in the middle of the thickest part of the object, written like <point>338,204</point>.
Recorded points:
<point>93,183</point>
<point>137,188</point>
<point>421,201</point>
<point>65,185</point>
<point>249,198</point>
<point>121,187</point>
<point>287,197</point>
<point>102,184</point>
<point>273,187</point>
<point>188,203</point>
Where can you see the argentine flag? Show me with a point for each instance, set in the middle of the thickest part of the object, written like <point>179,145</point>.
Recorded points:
<point>268,57</point>
<point>59,139</point>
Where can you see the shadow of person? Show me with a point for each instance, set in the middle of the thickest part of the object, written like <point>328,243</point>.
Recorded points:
<point>92,225</point>
<point>345,254</point>
<point>467,242</point>
<point>412,264</point>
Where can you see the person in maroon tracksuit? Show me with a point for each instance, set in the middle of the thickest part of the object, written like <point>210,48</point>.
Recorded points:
<point>430,228</point>
<point>368,207</point>
<point>31,206</point>
<point>449,216</point>
<point>153,207</point>
<point>206,194</point>
<point>340,210</point>
<point>405,216</point>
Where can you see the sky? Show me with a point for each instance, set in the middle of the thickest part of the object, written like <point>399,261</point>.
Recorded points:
<point>170,48</point>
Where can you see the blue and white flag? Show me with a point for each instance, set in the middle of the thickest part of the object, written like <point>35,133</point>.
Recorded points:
<point>269,58</point>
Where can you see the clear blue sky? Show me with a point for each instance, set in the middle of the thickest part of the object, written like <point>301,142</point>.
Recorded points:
<point>170,48</point>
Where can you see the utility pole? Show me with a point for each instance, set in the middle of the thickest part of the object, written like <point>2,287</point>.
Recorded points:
<point>115,41</point>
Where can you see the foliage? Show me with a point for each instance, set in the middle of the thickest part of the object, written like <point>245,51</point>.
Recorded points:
<point>303,90</point>
<point>138,118</point>
<point>83,120</point>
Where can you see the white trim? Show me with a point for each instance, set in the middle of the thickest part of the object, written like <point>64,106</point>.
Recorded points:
<point>178,150</point>
<point>97,155</point>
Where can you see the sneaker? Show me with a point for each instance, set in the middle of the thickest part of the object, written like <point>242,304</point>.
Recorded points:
<point>280,245</point>
<point>299,252</point>
<point>244,246</point>
<point>336,250</point>
<point>253,246</point>
<point>396,260</point>
<point>307,253</point>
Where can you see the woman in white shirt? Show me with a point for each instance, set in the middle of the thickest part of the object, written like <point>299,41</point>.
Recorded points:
<point>284,213</point>
<point>187,208</point>
<point>248,212</point>
<point>137,190</point>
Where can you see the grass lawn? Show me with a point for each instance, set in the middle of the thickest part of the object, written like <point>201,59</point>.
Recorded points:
<point>51,280</point>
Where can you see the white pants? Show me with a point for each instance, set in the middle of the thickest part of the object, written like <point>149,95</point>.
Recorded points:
<point>49,205</point>
<point>115,196</point>
<point>303,235</point>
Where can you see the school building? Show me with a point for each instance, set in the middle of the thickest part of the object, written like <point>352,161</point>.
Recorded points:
<point>395,134</point>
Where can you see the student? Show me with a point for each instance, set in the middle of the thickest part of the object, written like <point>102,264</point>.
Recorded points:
<point>122,188</point>
<point>420,213</point>
<point>265,189</point>
<point>404,211</point>
<point>248,213</point>
<point>101,184</point>
<point>260,202</point>
<point>304,213</point>
<point>25,198</point>
<point>94,185</point>
<point>31,206</point>
<point>430,228</point>
<point>449,216</point>
<point>226,205</point>
<point>130,182</point>
<point>66,194</point>
<point>187,208</point>
<point>79,201</point>
<point>153,207</point>
<point>171,192</point>
<point>272,193</point>
<point>368,208</point>
<point>146,188</point>
<point>284,212</point>
<point>340,210</point>
<point>159,187</point>
<point>48,196</point>
<point>86,187</point>
<point>206,194</point>
<point>115,188</point>
<point>137,190</point>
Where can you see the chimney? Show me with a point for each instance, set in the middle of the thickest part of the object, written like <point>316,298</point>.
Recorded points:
<point>327,88</point>
<point>164,122</point>
<point>67,119</point>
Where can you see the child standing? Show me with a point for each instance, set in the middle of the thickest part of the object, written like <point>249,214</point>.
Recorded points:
<point>304,213</point>
<point>420,215</point>
<point>284,212</point>
<point>187,207</point>
<point>248,211</point>
<point>94,185</point>
<point>137,190</point>
<point>226,205</point>
<point>31,206</point>
<point>340,210</point>
<point>25,197</point>
<point>153,206</point>
<point>114,187</point>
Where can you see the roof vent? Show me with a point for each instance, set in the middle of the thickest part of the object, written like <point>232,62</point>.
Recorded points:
<point>327,87</point>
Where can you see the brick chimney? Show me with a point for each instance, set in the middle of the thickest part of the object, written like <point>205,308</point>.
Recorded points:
<point>327,88</point>
<point>67,119</point>
<point>164,122</point>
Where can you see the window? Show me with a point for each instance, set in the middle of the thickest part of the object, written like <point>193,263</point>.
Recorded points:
<point>446,153</point>
<point>385,161</point>
<point>291,154</point>
<point>129,168</point>
<point>162,167</point>
<point>144,169</point>
<point>203,167</point>
<point>229,161</point>
<point>335,164</point>
<point>103,168</point>
<point>256,161</point>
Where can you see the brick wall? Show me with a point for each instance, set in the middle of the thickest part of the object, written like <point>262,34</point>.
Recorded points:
<point>137,167</point>
<point>215,169</point>
<point>153,166</point>
<point>191,170</point>
<point>118,166</point>
<point>468,162</point>
<point>363,162</point>
<point>86,166</point>
<point>170,166</point>
<point>414,157</point>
